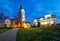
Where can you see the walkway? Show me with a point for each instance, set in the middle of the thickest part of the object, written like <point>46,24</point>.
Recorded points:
<point>9,35</point>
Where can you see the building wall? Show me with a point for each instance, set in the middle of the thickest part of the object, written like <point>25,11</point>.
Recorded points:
<point>35,23</point>
<point>48,20</point>
<point>20,25</point>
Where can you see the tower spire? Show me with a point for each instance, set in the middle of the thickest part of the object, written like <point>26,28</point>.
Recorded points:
<point>21,14</point>
<point>21,6</point>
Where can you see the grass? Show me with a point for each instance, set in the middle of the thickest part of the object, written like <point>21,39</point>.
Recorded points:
<point>4,29</point>
<point>38,34</point>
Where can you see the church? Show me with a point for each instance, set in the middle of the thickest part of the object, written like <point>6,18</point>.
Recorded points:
<point>18,22</point>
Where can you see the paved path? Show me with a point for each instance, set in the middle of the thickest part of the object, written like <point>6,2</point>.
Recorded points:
<point>9,35</point>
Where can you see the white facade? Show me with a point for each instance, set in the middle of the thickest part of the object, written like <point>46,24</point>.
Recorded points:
<point>7,22</point>
<point>35,22</point>
<point>48,15</point>
<point>46,20</point>
<point>23,14</point>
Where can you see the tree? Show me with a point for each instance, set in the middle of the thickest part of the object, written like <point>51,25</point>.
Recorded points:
<point>1,15</point>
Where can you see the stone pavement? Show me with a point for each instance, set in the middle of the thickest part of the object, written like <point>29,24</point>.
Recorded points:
<point>9,35</point>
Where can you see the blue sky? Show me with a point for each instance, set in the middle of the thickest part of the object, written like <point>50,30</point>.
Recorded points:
<point>33,8</point>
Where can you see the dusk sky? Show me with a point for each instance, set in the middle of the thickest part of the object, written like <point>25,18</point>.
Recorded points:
<point>33,8</point>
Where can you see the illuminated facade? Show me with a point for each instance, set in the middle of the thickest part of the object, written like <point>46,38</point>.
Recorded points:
<point>20,21</point>
<point>7,22</point>
<point>17,22</point>
<point>47,20</point>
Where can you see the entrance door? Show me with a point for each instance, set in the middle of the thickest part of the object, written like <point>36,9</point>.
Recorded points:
<point>38,24</point>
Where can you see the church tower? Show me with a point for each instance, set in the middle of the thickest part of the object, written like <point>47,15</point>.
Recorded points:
<point>21,23</point>
<point>21,14</point>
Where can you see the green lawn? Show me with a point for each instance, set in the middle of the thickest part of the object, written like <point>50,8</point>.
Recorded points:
<point>4,29</point>
<point>38,34</point>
